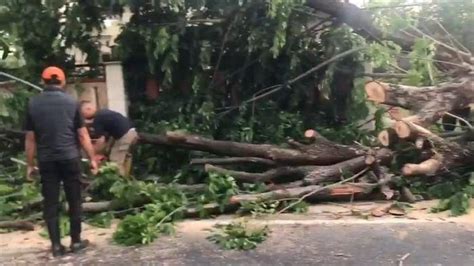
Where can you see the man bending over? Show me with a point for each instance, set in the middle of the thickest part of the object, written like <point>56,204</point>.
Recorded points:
<point>107,123</point>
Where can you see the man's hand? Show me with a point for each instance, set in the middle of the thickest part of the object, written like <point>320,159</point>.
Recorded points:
<point>94,167</point>
<point>30,172</point>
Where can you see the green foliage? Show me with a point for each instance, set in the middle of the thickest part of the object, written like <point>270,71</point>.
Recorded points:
<point>296,207</point>
<point>259,208</point>
<point>156,218</point>
<point>458,204</point>
<point>239,236</point>
<point>13,108</point>
<point>135,229</point>
<point>103,183</point>
<point>101,220</point>
<point>422,71</point>
<point>280,12</point>
<point>273,206</point>
<point>145,227</point>
<point>6,189</point>
<point>220,189</point>
<point>383,55</point>
<point>66,27</point>
<point>455,195</point>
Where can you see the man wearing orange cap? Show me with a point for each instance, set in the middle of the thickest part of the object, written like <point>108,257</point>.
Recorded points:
<point>56,131</point>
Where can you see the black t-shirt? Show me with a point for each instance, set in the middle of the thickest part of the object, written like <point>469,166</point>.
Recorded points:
<point>54,117</point>
<point>110,123</point>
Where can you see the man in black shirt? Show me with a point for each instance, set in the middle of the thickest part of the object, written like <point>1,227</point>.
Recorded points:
<point>108,123</point>
<point>55,129</point>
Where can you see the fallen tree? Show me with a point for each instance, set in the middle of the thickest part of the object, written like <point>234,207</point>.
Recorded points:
<point>319,169</point>
<point>324,153</point>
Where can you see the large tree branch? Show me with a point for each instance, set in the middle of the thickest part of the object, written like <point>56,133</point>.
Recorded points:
<point>311,174</point>
<point>359,20</point>
<point>257,177</point>
<point>429,103</point>
<point>314,155</point>
<point>232,160</point>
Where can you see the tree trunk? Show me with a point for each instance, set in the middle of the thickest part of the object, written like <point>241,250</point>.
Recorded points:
<point>232,160</point>
<point>429,103</point>
<point>326,153</point>
<point>337,192</point>
<point>17,225</point>
<point>311,174</point>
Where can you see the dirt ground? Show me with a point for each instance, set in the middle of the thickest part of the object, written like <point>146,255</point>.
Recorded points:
<point>18,248</point>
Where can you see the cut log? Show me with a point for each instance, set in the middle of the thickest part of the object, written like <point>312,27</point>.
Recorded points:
<point>334,172</point>
<point>313,135</point>
<point>378,92</point>
<point>429,103</point>
<point>403,130</point>
<point>17,225</point>
<point>448,156</point>
<point>409,130</point>
<point>388,137</point>
<point>428,167</point>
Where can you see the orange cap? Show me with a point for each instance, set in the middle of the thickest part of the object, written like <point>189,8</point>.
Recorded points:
<point>53,73</point>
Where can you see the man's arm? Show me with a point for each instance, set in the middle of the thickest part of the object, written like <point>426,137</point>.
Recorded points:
<point>85,139</point>
<point>30,150</point>
<point>30,145</point>
<point>86,143</point>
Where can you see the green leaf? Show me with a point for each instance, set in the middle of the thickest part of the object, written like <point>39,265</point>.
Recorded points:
<point>459,204</point>
<point>238,236</point>
<point>6,189</point>
<point>102,220</point>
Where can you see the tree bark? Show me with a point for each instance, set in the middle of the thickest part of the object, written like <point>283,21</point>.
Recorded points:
<point>337,192</point>
<point>17,225</point>
<point>232,160</point>
<point>312,174</point>
<point>324,153</point>
<point>269,175</point>
<point>429,103</point>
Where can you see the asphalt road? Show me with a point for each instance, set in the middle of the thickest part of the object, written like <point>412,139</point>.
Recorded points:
<point>428,243</point>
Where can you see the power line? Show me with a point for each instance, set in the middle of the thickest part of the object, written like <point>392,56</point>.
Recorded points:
<point>38,88</point>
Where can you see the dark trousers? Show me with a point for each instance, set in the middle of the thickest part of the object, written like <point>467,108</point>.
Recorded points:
<point>52,174</point>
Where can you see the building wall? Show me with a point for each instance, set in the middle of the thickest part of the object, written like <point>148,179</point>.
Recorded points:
<point>94,92</point>
<point>116,97</point>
